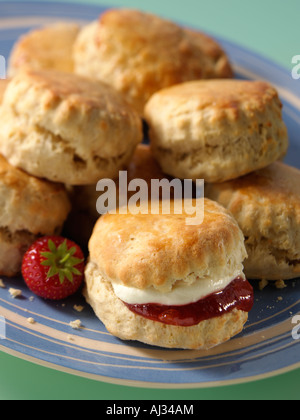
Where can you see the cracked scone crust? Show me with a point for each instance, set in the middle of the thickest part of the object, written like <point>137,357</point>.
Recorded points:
<point>216,129</point>
<point>123,323</point>
<point>66,128</point>
<point>266,205</point>
<point>139,53</point>
<point>30,207</point>
<point>49,47</point>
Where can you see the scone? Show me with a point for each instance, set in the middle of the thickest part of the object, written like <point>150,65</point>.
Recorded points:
<point>139,53</point>
<point>156,279</point>
<point>82,218</point>
<point>49,47</point>
<point>266,205</point>
<point>66,128</point>
<point>216,129</point>
<point>30,207</point>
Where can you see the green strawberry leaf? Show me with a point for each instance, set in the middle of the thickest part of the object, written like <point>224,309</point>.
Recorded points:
<point>51,246</point>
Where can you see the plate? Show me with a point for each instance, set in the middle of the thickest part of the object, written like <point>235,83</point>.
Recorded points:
<point>270,342</point>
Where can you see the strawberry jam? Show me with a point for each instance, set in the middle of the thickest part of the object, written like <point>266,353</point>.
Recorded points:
<point>238,294</point>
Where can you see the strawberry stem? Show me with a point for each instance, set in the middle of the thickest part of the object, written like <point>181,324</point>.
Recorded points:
<point>64,259</point>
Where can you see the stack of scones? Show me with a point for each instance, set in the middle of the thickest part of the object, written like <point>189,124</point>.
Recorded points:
<point>74,111</point>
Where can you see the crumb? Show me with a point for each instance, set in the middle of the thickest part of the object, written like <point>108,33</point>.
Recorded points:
<point>280,298</point>
<point>75,324</point>
<point>280,284</point>
<point>70,338</point>
<point>31,298</point>
<point>78,308</point>
<point>15,292</point>
<point>31,320</point>
<point>2,285</point>
<point>262,284</point>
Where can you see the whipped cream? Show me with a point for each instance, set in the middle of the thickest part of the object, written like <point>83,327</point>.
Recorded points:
<point>182,294</point>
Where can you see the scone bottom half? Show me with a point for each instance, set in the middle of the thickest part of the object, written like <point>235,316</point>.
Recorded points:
<point>197,311</point>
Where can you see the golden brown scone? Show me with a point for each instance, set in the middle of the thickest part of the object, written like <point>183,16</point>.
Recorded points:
<point>127,325</point>
<point>216,129</point>
<point>49,47</point>
<point>66,128</point>
<point>266,204</point>
<point>84,214</point>
<point>139,53</point>
<point>161,255</point>
<point>30,207</point>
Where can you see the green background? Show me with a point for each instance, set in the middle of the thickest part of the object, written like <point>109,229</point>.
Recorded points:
<point>269,27</point>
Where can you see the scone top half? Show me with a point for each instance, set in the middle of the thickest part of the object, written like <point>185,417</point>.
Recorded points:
<point>141,264</point>
<point>48,47</point>
<point>159,252</point>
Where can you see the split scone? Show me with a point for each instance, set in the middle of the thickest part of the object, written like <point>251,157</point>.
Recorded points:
<point>49,47</point>
<point>266,205</point>
<point>65,128</point>
<point>216,129</point>
<point>156,279</point>
<point>30,207</point>
<point>84,214</point>
<point>139,53</point>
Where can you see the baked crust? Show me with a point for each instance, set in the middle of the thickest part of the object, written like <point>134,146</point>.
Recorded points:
<point>266,205</point>
<point>30,207</point>
<point>66,128</point>
<point>139,53</point>
<point>30,204</point>
<point>161,250</point>
<point>49,47</point>
<point>216,129</point>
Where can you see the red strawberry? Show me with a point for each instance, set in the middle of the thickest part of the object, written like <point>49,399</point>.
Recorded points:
<point>53,267</point>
